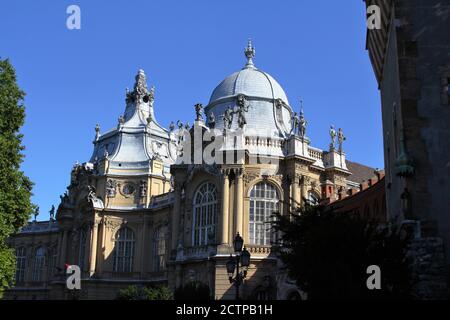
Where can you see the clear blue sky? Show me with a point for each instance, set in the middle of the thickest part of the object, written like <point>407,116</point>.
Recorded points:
<point>76,78</point>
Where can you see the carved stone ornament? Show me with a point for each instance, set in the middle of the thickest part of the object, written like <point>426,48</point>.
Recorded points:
<point>111,188</point>
<point>112,225</point>
<point>249,176</point>
<point>143,188</point>
<point>210,169</point>
<point>277,177</point>
<point>305,180</point>
<point>141,92</point>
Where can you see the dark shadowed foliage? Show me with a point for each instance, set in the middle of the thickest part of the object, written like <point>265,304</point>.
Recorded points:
<point>145,293</point>
<point>193,291</point>
<point>327,254</point>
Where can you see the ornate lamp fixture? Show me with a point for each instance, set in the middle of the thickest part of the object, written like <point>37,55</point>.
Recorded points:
<point>241,260</point>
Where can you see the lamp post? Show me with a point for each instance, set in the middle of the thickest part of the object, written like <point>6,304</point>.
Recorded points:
<point>241,259</point>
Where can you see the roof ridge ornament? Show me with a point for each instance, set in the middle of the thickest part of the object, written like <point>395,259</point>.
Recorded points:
<point>250,54</point>
<point>140,92</point>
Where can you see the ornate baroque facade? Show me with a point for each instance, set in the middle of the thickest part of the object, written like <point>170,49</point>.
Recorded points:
<point>139,212</point>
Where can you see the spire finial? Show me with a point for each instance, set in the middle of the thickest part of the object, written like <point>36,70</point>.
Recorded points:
<point>250,54</point>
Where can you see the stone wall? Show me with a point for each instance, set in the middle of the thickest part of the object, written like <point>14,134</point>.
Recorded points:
<point>428,269</point>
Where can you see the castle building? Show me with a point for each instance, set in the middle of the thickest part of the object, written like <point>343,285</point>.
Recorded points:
<point>158,206</point>
<point>410,58</point>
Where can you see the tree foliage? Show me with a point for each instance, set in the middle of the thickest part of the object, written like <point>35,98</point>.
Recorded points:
<point>15,187</point>
<point>193,290</point>
<point>145,293</point>
<point>327,254</point>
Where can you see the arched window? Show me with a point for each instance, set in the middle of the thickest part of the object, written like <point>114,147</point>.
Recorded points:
<point>159,249</point>
<point>124,250</point>
<point>205,215</point>
<point>313,198</point>
<point>263,203</point>
<point>82,247</point>
<point>38,265</point>
<point>21,264</point>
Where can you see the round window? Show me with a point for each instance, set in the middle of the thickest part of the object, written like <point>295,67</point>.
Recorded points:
<point>128,189</point>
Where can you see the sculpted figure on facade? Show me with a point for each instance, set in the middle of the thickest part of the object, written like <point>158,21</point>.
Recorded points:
<point>111,188</point>
<point>211,120</point>
<point>143,188</point>
<point>341,139</point>
<point>242,108</point>
<point>228,118</point>
<point>333,137</point>
<point>302,125</point>
<point>295,123</point>
<point>199,112</point>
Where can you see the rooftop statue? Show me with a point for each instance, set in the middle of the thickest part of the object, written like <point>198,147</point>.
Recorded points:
<point>341,139</point>
<point>333,137</point>
<point>302,122</point>
<point>198,112</point>
<point>211,120</point>
<point>242,107</point>
<point>228,118</point>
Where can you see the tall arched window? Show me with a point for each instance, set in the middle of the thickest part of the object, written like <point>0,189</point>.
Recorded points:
<point>159,249</point>
<point>124,250</point>
<point>263,203</point>
<point>38,265</point>
<point>82,248</point>
<point>21,264</point>
<point>205,215</point>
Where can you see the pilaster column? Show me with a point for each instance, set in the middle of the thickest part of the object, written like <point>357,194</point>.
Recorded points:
<point>225,208</point>
<point>93,255</point>
<point>296,202</point>
<point>64,247</point>
<point>59,258</point>
<point>304,188</point>
<point>239,201</point>
<point>143,246</point>
<point>176,216</point>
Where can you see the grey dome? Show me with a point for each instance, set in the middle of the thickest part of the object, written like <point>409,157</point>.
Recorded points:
<point>268,107</point>
<point>250,82</point>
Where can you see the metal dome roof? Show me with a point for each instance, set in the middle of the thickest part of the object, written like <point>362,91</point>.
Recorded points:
<point>250,82</point>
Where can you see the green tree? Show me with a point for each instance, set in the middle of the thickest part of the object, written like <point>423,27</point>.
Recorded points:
<point>327,253</point>
<point>194,290</point>
<point>15,187</point>
<point>145,293</point>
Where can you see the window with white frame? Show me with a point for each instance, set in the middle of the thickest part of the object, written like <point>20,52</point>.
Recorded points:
<point>82,247</point>
<point>205,215</point>
<point>159,248</point>
<point>38,265</point>
<point>124,250</point>
<point>263,203</point>
<point>21,264</point>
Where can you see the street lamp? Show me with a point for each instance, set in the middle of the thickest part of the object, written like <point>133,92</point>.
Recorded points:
<point>242,258</point>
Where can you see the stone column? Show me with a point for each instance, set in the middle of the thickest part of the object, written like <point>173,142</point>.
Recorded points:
<point>93,256</point>
<point>239,195</point>
<point>305,181</point>
<point>296,202</point>
<point>225,209</point>
<point>143,247</point>
<point>176,216</point>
